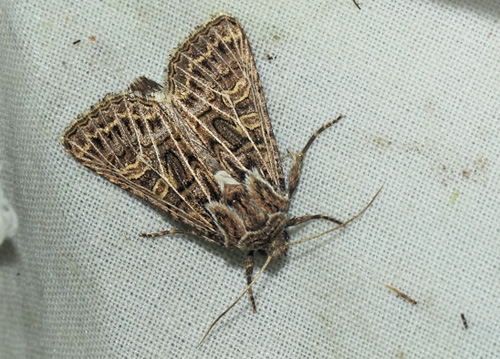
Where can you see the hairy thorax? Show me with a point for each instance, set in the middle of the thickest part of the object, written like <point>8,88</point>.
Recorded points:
<point>251,215</point>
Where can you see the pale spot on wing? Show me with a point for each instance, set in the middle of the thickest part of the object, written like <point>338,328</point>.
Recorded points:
<point>223,178</point>
<point>160,97</point>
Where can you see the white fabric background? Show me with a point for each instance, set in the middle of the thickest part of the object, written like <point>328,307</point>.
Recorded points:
<point>419,84</point>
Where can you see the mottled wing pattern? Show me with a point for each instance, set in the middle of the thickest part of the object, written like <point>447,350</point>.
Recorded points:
<point>214,84</point>
<point>136,140</point>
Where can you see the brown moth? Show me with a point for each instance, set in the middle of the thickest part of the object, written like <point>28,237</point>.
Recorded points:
<point>201,148</point>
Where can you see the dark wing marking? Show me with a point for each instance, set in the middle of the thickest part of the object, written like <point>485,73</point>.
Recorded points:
<point>215,86</point>
<point>136,140</point>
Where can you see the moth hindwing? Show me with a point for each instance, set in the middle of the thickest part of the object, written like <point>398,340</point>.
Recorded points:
<point>202,148</point>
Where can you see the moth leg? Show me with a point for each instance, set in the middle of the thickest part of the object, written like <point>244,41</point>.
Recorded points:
<point>298,220</point>
<point>297,160</point>
<point>164,233</point>
<point>249,271</point>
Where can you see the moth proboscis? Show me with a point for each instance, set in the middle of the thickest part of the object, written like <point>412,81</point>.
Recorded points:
<point>202,148</point>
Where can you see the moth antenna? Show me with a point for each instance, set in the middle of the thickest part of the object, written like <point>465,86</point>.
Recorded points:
<point>340,225</point>
<point>237,300</point>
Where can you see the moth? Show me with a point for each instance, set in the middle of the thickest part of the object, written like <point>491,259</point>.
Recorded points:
<point>202,148</point>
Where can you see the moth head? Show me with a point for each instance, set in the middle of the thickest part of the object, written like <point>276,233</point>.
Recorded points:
<point>278,246</point>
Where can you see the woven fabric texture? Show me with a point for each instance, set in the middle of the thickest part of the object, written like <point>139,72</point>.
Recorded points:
<point>419,85</point>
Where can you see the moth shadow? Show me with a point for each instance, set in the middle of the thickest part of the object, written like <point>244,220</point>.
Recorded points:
<point>236,258</point>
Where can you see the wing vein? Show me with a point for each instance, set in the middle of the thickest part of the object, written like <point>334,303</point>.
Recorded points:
<point>242,167</point>
<point>184,159</point>
<point>153,143</point>
<point>245,72</point>
<point>149,165</point>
